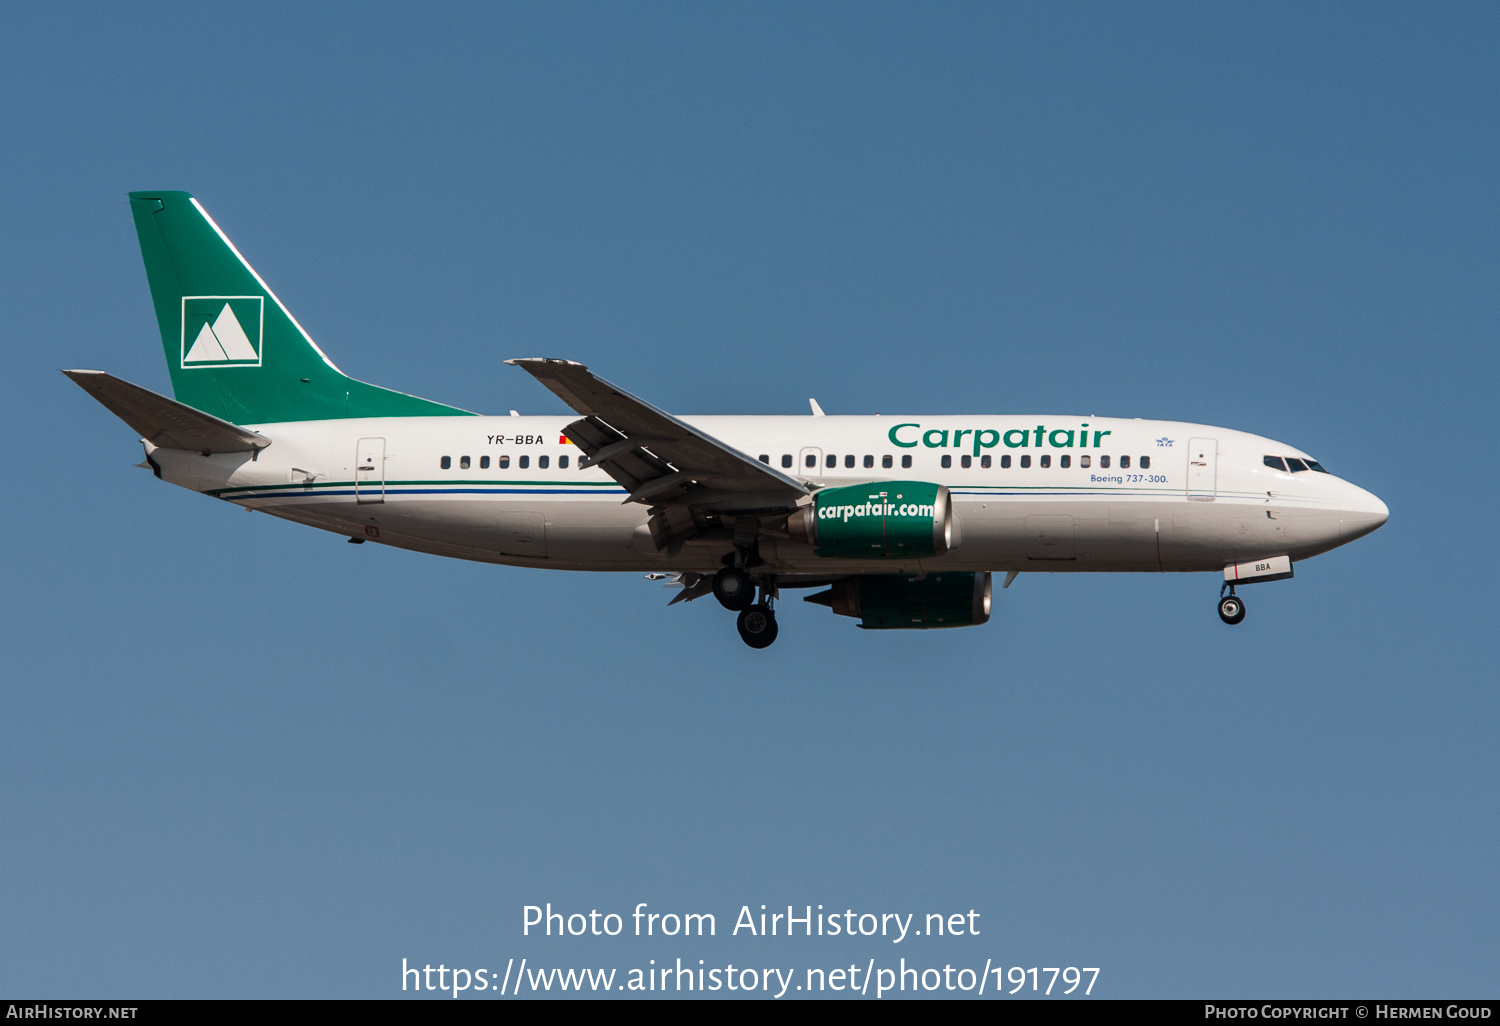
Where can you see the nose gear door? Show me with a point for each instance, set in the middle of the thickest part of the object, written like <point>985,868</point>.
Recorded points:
<point>369,470</point>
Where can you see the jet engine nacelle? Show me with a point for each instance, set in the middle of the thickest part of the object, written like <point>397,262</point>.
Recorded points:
<point>883,520</point>
<point>905,602</point>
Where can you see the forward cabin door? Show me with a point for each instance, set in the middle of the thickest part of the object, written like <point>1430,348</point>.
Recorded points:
<point>1203,469</point>
<point>369,470</point>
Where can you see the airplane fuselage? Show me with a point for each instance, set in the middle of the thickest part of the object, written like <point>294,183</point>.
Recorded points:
<point>902,520</point>
<point>1029,493</point>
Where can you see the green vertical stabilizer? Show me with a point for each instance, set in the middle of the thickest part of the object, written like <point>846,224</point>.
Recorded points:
<point>232,349</point>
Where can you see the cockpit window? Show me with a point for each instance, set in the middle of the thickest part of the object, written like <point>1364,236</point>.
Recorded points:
<point>1295,464</point>
<point>1315,465</point>
<point>1274,462</point>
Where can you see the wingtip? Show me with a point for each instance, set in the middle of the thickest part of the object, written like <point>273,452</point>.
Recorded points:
<point>523,360</point>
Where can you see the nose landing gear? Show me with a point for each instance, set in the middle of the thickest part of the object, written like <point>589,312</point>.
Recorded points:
<point>1231,606</point>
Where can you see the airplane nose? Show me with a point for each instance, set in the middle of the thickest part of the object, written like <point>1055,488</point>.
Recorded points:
<point>1363,512</point>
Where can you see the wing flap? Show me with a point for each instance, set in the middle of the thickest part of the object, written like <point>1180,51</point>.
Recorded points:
<point>658,458</point>
<point>165,423</point>
<point>622,458</point>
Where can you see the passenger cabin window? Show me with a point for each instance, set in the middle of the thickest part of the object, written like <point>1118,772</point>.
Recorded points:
<point>831,462</point>
<point>886,461</point>
<point>1124,462</point>
<point>524,462</point>
<point>1274,462</point>
<point>1046,460</point>
<point>484,463</point>
<point>542,461</point>
<point>463,463</point>
<point>966,462</point>
<point>947,462</point>
<point>1026,462</point>
<point>1005,462</point>
<point>984,461</point>
<point>812,461</point>
<point>906,463</point>
<point>1064,461</point>
<point>1295,464</point>
<point>766,460</point>
<point>562,462</point>
<point>446,462</point>
<point>1145,462</point>
<point>1084,461</point>
<point>503,463</point>
<point>869,462</point>
<point>786,460</point>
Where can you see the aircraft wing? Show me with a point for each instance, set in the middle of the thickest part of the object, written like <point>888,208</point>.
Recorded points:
<point>164,422</point>
<point>658,458</point>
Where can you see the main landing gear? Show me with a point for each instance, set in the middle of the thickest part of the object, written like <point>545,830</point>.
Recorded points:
<point>1231,606</point>
<point>735,591</point>
<point>757,625</point>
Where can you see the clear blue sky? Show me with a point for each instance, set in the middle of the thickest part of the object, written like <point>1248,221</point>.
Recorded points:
<point>243,758</point>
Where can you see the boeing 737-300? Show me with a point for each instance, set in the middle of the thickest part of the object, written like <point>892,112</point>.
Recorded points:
<point>897,521</point>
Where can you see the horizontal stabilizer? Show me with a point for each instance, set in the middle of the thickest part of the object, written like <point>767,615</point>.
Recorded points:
<point>164,422</point>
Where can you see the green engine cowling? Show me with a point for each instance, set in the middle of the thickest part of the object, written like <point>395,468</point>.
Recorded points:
<point>882,520</point>
<point>906,602</point>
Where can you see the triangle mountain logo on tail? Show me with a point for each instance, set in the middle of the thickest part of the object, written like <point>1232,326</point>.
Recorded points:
<point>222,331</point>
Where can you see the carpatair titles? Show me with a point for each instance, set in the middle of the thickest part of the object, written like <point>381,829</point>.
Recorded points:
<point>889,520</point>
<point>910,435</point>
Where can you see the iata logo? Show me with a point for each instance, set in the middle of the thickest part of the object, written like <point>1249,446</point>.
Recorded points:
<point>222,331</point>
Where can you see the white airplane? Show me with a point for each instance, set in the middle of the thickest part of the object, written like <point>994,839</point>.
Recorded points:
<point>900,520</point>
